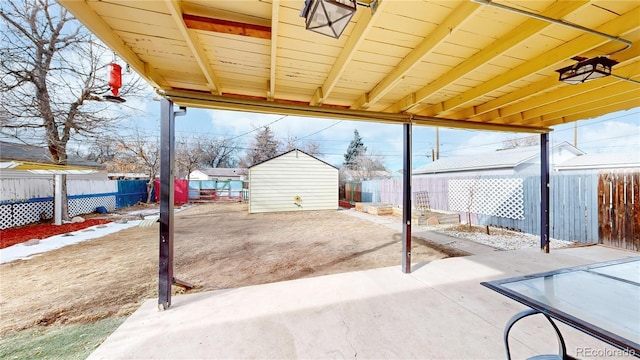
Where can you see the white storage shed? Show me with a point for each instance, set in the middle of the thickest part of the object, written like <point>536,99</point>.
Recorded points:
<point>293,181</point>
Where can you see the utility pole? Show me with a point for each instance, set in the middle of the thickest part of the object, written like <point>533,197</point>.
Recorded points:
<point>437,144</point>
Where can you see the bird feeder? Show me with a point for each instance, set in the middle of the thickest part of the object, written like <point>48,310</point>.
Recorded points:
<point>115,83</point>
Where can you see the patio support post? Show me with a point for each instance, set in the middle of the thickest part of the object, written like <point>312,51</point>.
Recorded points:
<point>167,144</point>
<point>406,201</point>
<point>544,192</point>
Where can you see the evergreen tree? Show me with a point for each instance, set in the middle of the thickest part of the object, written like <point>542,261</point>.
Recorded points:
<point>356,148</point>
<point>264,146</point>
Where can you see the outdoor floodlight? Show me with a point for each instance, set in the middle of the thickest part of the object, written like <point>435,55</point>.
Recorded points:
<point>586,69</point>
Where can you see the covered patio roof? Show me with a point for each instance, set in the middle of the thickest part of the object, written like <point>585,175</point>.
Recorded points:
<point>458,63</point>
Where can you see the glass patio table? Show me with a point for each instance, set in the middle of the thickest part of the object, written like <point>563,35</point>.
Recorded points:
<point>601,299</point>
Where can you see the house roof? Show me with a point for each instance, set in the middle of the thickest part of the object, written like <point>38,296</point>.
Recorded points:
<point>224,171</point>
<point>290,151</point>
<point>501,159</point>
<point>601,161</point>
<point>477,64</point>
<point>35,158</point>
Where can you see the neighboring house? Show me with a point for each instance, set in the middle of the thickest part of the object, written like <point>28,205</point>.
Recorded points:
<point>221,174</point>
<point>293,181</point>
<point>521,160</point>
<point>26,161</point>
<point>597,162</point>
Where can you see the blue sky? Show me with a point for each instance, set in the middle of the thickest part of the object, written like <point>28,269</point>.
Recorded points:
<point>616,132</point>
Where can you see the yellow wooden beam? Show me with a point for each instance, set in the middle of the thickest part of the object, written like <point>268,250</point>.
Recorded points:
<point>581,108</point>
<point>275,19</point>
<point>606,88</point>
<point>191,38</point>
<point>356,38</point>
<point>518,35</point>
<point>525,98</point>
<point>87,16</point>
<point>619,25</point>
<point>457,17</point>
<point>592,113</point>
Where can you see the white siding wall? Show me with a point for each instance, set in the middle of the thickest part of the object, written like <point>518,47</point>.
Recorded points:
<point>24,189</point>
<point>274,184</point>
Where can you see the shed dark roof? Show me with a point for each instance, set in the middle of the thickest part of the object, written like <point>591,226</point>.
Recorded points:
<point>29,153</point>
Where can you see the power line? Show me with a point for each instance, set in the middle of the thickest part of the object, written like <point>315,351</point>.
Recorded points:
<point>321,130</point>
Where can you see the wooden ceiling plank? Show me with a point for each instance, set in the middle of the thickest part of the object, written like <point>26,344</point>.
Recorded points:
<point>513,101</point>
<point>453,21</point>
<point>564,95</point>
<point>275,19</point>
<point>615,89</point>
<point>583,43</point>
<point>356,38</point>
<point>582,107</point>
<point>85,14</point>
<point>592,113</point>
<point>521,33</point>
<point>191,38</point>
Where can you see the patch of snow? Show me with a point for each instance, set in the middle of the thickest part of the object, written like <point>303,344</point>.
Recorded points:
<point>26,251</point>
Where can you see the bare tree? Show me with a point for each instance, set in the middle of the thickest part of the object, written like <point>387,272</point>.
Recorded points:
<point>264,146</point>
<point>188,156</point>
<point>50,87</point>
<point>520,142</point>
<point>218,152</point>
<point>310,147</point>
<point>137,154</point>
<point>365,166</point>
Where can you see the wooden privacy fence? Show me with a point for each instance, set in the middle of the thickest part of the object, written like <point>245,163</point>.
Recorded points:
<point>619,209</point>
<point>352,192</point>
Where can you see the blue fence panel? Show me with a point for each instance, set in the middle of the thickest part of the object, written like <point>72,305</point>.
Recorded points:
<point>131,192</point>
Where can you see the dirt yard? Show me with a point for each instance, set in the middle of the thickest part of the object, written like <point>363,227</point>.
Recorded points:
<point>217,246</point>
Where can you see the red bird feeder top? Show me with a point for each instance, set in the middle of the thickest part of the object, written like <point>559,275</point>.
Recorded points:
<point>115,78</point>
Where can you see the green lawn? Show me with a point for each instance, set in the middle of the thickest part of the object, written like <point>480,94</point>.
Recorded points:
<point>57,342</point>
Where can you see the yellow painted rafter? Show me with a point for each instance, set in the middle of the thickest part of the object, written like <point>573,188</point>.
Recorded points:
<point>191,38</point>
<point>275,19</point>
<point>107,35</point>
<point>523,32</point>
<point>579,108</point>
<point>454,21</point>
<point>581,44</point>
<point>592,113</point>
<point>356,38</point>
<point>564,96</point>
<point>524,98</point>
<point>616,90</point>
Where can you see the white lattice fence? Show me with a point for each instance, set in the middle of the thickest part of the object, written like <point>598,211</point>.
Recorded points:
<point>23,200</point>
<point>501,197</point>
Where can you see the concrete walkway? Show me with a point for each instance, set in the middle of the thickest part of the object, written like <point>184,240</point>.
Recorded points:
<point>439,311</point>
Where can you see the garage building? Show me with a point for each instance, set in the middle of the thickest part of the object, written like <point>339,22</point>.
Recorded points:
<point>293,181</point>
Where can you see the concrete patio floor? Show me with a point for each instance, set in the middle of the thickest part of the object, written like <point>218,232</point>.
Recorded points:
<point>439,311</point>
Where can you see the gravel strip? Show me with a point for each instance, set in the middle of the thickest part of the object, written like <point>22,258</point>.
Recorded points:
<point>499,238</point>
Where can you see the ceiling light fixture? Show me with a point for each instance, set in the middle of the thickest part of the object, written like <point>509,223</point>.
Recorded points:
<point>586,69</point>
<point>328,17</point>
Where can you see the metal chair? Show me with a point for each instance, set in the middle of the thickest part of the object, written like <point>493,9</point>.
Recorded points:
<point>562,355</point>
